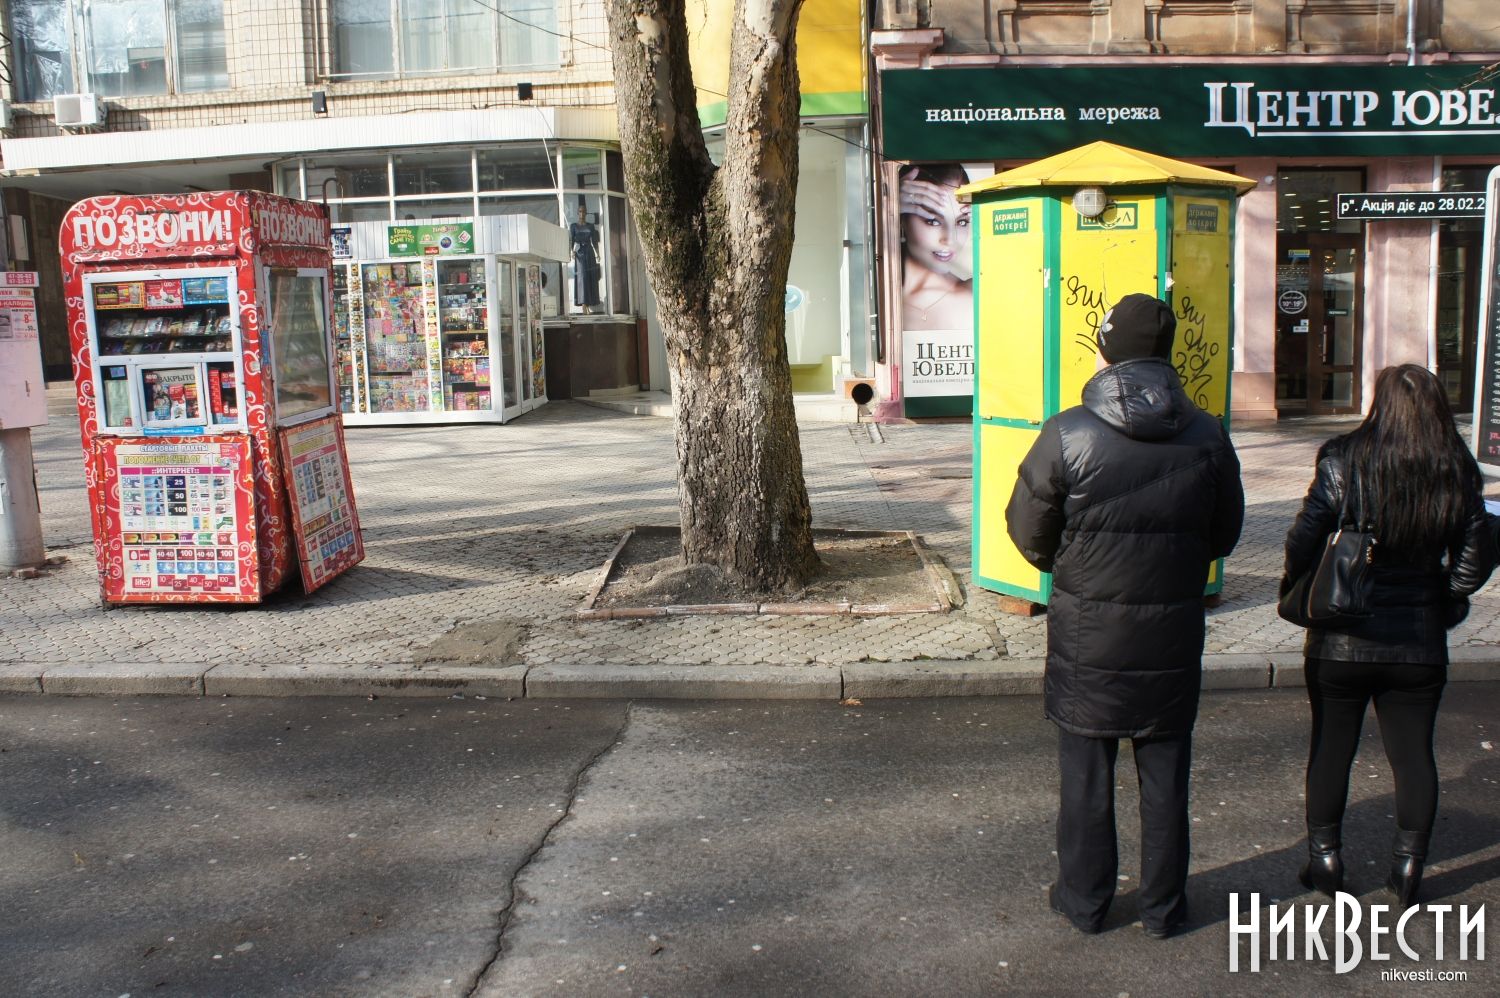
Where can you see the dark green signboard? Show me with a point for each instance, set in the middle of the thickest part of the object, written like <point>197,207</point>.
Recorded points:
<point>1223,110</point>
<point>1008,221</point>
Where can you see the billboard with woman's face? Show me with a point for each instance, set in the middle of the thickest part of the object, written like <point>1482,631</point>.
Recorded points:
<point>937,290</point>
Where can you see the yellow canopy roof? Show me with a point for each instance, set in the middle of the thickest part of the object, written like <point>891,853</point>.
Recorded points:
<point>1104,164</point>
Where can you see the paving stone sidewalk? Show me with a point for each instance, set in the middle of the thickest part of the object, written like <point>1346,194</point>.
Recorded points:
<point>482,540</point>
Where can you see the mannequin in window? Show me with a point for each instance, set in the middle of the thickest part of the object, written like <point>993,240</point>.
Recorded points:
<point>583,239</point>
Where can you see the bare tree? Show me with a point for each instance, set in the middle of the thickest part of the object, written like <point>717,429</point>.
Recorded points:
<point>717,242</point>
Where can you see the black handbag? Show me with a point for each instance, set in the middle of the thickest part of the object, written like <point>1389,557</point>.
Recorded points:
<point>1335,592</point>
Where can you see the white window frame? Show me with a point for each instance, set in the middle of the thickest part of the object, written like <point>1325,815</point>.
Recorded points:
<point>562,14</point>
<point>80,41</point>
<point>137,363</point>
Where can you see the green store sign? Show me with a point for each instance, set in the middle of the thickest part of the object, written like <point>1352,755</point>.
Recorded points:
<point>1223,110</point>
<point>440,239</point>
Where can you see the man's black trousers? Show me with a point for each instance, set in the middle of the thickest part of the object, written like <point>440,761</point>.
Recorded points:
<point>1086,854</point>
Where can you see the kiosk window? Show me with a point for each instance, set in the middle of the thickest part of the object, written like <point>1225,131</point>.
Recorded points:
<point>171,396</point>
<point>223,393</point>
<point>115,388</point>
<point>299,344</point>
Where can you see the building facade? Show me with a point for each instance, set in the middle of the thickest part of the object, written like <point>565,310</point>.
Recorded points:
<point>384,109</point>
<point>1369,127</point>
<point>829,305</point>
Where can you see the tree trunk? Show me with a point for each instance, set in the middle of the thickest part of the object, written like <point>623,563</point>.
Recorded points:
<point>718,242</point>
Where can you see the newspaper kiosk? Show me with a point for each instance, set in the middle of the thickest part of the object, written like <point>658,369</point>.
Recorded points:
<point>214,457</point>
<point>1056,243</point>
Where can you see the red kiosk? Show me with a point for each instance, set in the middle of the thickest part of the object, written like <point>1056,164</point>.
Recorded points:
<point>202,347</point>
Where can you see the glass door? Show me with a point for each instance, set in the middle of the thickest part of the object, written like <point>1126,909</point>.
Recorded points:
<point>505,311</point>
<point>464,317</point>
<point>1459,256</point>
<point>1293,280</point>
<point>523,337</point>
<point>1333,366</point>
<point>1319,291</point>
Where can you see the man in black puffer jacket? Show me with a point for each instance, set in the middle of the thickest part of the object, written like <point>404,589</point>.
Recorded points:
<point>1126,500</point>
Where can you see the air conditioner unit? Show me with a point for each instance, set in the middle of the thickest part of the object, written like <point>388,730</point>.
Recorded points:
<point>5,120</point>
<point>78,110</point>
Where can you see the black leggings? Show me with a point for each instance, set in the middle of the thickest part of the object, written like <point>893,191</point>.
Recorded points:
<point>1406,703</point>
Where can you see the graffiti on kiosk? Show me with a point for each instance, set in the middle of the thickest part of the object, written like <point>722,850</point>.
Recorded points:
<point>1194,359</point>
<point>1095,302</point>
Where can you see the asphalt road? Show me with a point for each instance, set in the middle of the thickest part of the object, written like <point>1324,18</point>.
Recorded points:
<point>397,847</point>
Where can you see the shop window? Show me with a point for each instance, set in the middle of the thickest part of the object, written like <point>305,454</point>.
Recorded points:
<point>127,48</point>
<point>1460,256</point>
<point>289,180</point>
<point>435,173</point>
<point>581,170</point>
<point>619,258</point>
<point>1307,200</point>
<point>547,210</point>
<point>392,38</point>
<point>518,167</point>
<point>587,251</point>
<point>544,208</point>
<point>459,183</point>
<point>415,211</point>
<point>370,211</point>
<point>366,177</point>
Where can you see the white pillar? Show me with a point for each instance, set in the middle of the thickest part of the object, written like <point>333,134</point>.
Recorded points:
<point>20,511</point>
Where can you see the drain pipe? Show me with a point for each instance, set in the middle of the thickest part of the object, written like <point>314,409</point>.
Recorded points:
<point>1434,260</point>
<point>1411,32</point>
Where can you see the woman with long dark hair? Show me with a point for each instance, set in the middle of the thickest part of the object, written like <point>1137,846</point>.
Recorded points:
<point>1411,481</point>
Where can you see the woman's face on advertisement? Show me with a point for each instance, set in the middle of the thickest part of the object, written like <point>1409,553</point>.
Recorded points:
<point>939,239</point>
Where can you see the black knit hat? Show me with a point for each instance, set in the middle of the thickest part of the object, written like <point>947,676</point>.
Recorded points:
<point>1138,326</point>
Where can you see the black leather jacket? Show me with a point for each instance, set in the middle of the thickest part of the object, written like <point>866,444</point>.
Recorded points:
<point>1417,595</point>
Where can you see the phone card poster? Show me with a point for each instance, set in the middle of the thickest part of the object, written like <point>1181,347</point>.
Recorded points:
<point>324,520</point>
<point>184,522</point>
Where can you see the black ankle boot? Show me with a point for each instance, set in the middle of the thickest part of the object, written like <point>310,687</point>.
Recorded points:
<point>1407,856</point>
<point>1324,870</point>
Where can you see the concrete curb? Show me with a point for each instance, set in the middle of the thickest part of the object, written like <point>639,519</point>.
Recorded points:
<point>103,679</point>
<point>21,678</point>
<point>687,682</point>
<point>1002,677</point>
<point>1244,671</point>
<point>862,680</point>
<point>364,680</point>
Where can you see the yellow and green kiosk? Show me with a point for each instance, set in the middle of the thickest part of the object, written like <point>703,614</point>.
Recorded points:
<point>1056,244</point>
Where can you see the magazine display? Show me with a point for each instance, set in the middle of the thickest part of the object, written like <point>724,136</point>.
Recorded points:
<point>395,331</point>
<point>169,316</point>
<point>463,317</point>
